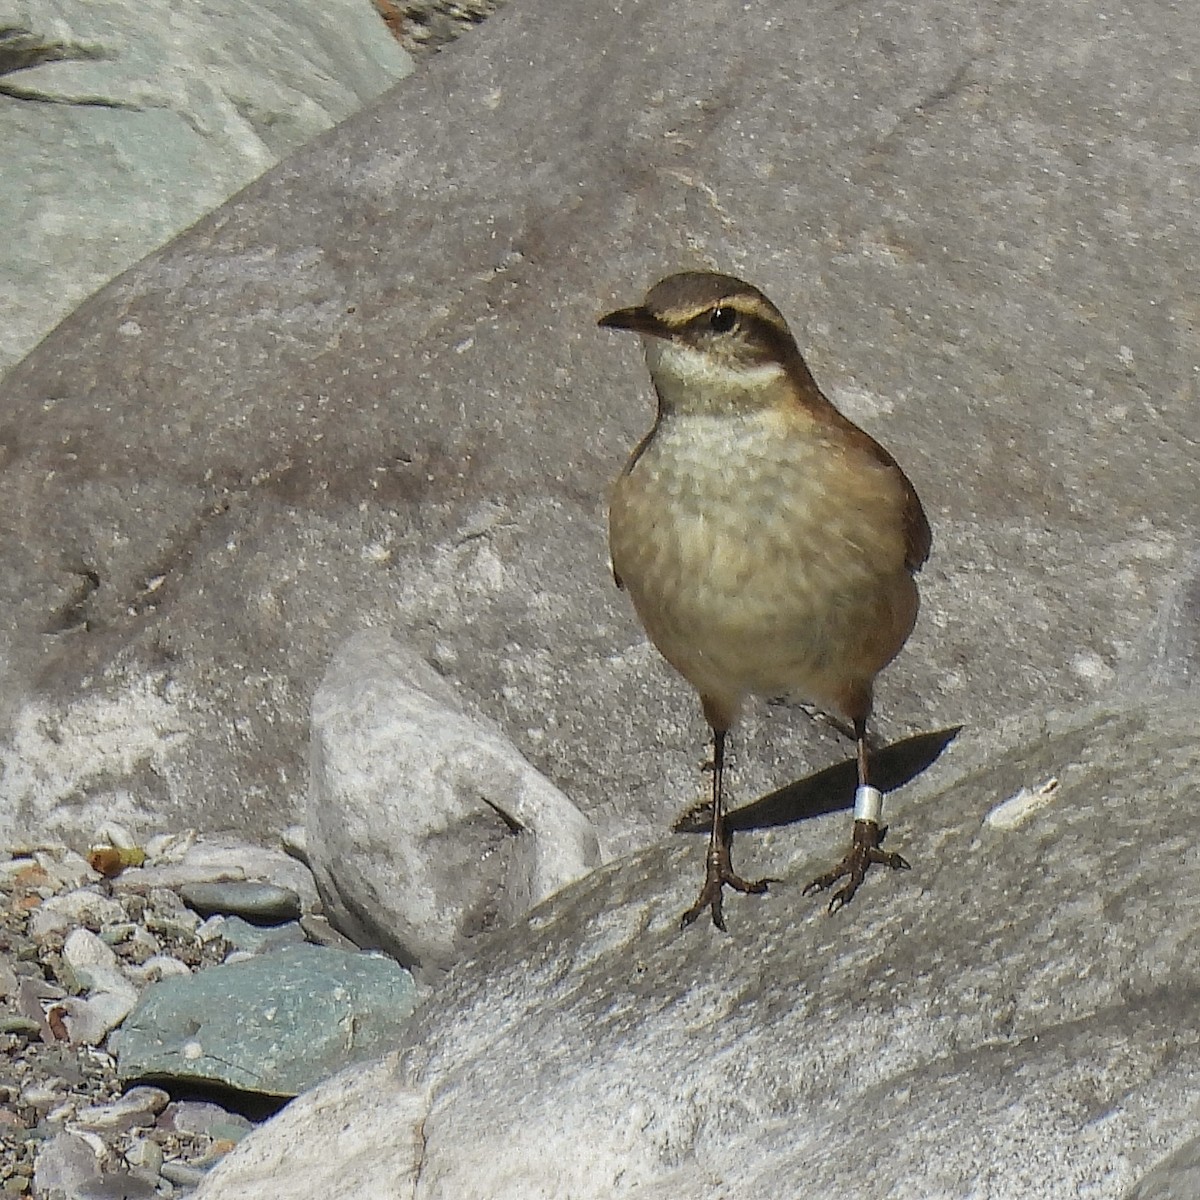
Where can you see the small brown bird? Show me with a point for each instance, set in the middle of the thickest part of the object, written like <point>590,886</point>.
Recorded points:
<point>768,544</point>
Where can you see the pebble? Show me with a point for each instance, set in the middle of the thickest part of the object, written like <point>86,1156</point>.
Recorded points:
<point>26,1026</point>
<point>145,1154</point>
<point>201,1117</point>
<point>257,939</point>
<point>47,923</point>
<point>114,834</point>
<point>294,840</point>
<point>182,1174</point>
<point>138,1107</point>
<point>159,966</point>
<point>66,1164</point>
<point>89,1022</point>
<point>86,906</point>
<point>260,903</point>
<point>65,867</point>
<point>319,931</point>
<point>44,1094</point>
<point>84,950</point>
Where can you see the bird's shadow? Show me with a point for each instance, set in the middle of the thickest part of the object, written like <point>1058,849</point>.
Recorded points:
<point>830,790</point>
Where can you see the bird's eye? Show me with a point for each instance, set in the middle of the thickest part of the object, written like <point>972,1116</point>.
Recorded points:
<point>722,319</point>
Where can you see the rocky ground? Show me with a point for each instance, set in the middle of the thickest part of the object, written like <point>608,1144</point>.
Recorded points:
<point>80,955</point>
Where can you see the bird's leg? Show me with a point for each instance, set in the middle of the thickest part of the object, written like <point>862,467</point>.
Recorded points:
<point>718,866</point>
<point>865,841</point>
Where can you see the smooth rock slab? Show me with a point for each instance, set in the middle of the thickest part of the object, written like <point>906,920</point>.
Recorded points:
<point>1015,1017</point>
<point>379,396</point>
<point>272,1025</point>
<point>128,123</point>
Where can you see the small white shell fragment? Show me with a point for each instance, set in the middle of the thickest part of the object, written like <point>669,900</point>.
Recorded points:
<point>1012,813</point>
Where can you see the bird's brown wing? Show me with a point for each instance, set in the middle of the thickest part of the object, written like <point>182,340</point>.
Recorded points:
<point>918,537</point>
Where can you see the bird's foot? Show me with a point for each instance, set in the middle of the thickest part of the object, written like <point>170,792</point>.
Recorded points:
<point>719,873</point>
<point>864,850</point>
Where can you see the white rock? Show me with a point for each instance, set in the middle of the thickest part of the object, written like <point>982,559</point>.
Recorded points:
<point>65,867</point>
<point>217,857</point>
<point>87,905</point>
<point>113,833</point>
<point>425,825</point>
<point>144,1154</point>
<point>294,840</point>
<point>83,950</point>
<point>137,1107</point>
<point>160,966</point>
<point>110,1000</point>
<point>46,922</point>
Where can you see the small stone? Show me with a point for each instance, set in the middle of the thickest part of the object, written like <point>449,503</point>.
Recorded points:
<point>66,868</point>
<point>10,1124</point>
<point>24,1026</point>
<point>294,840</point>
<point>169,917</point>
<point>30,994</point>
<point>16,1185</point>
<point>46,923</point>
<point>66,1164</point>
<point>169,847</point>
<point>84,950</point>
<point>260,903</point>
<point>11,868</point>
<point>202,1118</point>
<point>117,835</point>
<point>159,966</point>
<point>319,931</point>
<point>242,935</point>
<point>86,906</point>
<point>43,1094</point>
<point>145,1154</point>
<point>182,1174</point>
<point>112,999</point>
<point>138,1107</point>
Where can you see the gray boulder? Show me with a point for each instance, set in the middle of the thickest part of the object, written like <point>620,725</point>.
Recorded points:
<point>370,393</point>
<point>125,123</point>
<point>425,827</point>
<point>1014,1017</point>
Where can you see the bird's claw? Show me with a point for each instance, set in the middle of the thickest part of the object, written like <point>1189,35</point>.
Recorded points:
<point>864,850</point>
<point>720,873</point>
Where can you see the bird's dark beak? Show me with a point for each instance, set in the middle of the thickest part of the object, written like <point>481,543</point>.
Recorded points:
<point>635,320</point>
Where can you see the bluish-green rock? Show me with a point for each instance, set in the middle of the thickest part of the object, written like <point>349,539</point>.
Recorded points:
<point>274,1024</point>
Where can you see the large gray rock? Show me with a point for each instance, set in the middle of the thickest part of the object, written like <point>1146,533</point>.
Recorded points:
<point>124,123</point>
<point>369,392</point>
<point>426,829</point>
<point>1016,1017</point>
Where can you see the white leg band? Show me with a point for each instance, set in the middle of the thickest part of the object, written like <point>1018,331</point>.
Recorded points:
<point>868,804</point>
